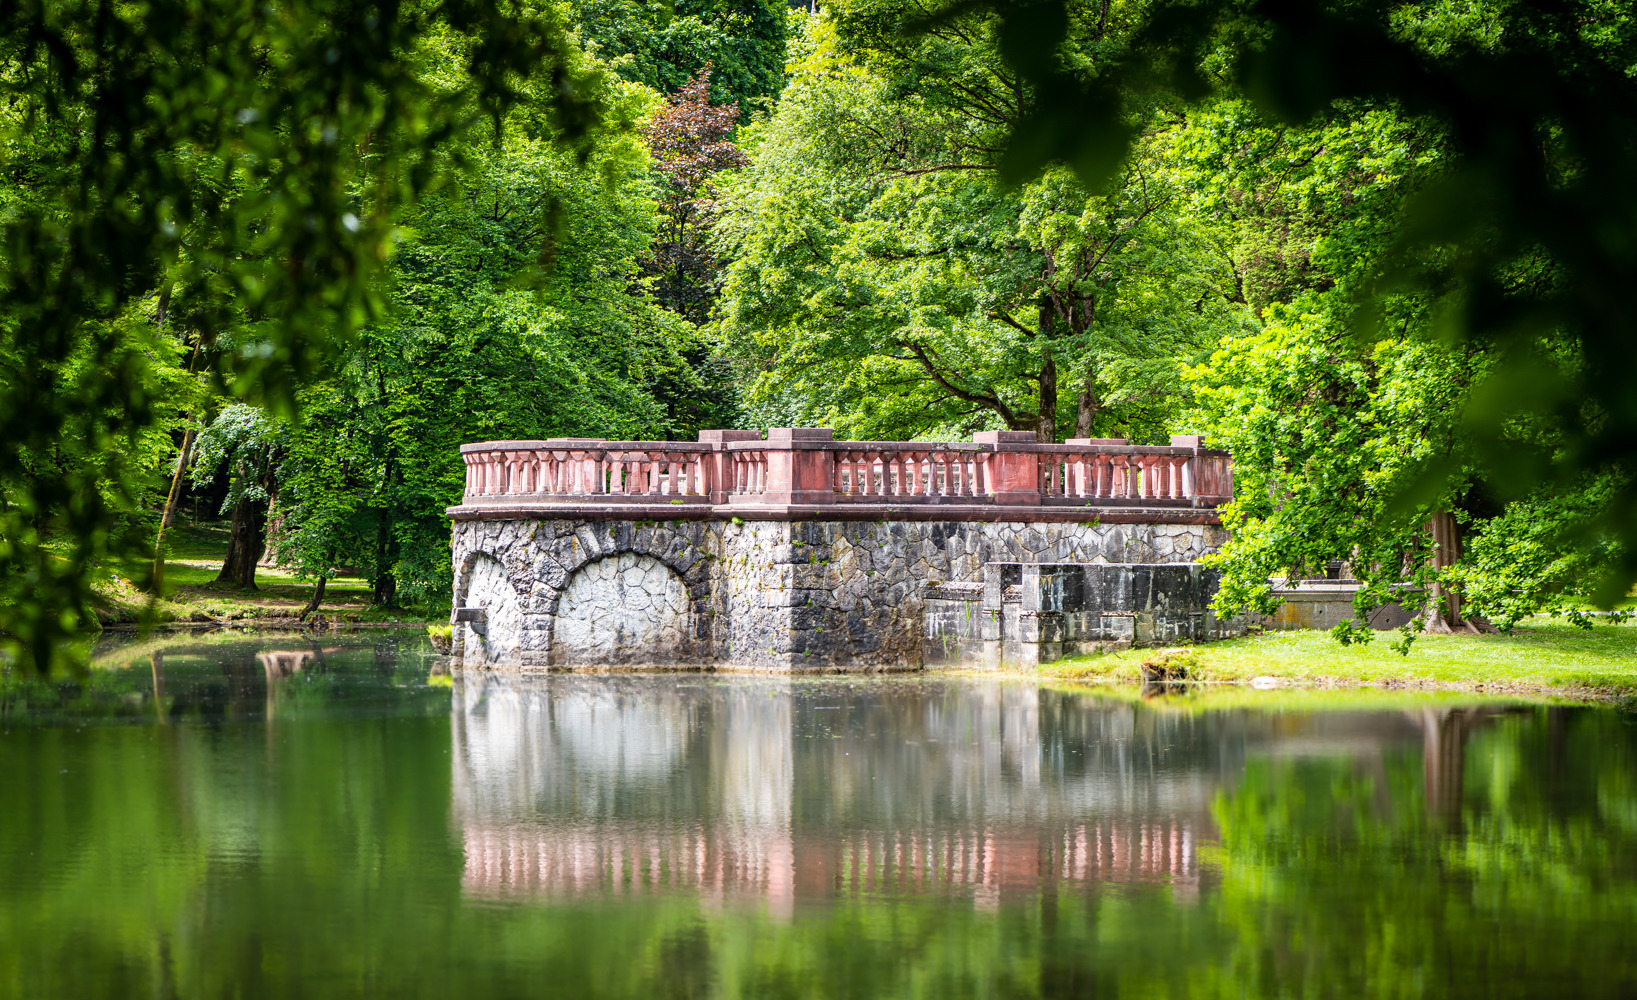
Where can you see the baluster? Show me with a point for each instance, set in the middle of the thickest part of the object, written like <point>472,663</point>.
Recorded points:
<point>595,461</point>
<point>912,480</point>
<point>508,472</point>
<point>574,474</point>
<point>494,472</point>
<point>1190,490</point>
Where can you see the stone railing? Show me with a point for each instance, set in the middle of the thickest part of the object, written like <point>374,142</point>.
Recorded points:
<point>630,471</point>
<point>739,471</point>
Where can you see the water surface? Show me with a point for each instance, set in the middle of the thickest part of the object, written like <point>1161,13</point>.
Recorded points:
<point>275,816</point>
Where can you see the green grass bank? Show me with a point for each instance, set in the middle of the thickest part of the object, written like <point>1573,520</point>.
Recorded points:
<point>1546,657</point>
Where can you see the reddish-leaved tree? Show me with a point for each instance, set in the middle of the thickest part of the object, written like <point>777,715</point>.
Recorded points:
<point>688,140</point>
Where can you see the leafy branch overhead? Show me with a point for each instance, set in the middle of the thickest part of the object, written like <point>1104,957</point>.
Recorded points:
<point>215,173</point>
<point>1518,242</point>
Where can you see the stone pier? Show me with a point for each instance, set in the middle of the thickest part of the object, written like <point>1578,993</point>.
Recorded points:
<point>801,553</point>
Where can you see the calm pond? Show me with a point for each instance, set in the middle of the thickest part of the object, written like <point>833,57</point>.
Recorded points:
<point>265,816</point>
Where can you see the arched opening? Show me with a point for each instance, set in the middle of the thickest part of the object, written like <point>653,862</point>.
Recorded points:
<point>488,587</point>
<point>627,608</point>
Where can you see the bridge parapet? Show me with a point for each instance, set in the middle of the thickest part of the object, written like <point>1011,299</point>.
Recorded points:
<point>804,472</point>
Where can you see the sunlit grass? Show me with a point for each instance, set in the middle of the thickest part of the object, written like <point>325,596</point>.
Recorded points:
<point>1545,654</point>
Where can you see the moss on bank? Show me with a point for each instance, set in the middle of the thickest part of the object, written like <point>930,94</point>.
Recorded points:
<point>1546,656</point>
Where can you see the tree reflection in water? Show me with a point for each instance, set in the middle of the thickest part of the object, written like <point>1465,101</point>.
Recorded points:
<point>321,820</point>
<point>575,785</point>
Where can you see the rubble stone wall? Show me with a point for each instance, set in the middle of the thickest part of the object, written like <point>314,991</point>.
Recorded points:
<point>750,595</point>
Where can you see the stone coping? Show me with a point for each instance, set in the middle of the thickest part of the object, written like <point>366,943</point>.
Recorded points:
<point>559,511</point>
<point>825,444</point>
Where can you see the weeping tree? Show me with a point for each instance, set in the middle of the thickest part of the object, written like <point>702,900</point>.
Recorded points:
<point>243,444</point>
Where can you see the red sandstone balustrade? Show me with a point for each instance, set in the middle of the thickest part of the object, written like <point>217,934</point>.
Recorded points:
<point>581,468</point>
<point>893,471</point>
<point>803,466</point>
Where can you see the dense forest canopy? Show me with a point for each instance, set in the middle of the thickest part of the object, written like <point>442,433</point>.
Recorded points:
<point>288,258</point>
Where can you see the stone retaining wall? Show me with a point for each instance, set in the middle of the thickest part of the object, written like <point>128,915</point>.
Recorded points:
<point>752,595</point>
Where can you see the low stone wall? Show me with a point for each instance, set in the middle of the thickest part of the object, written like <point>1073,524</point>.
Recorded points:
<point>751,595</point>
<point>1025,614</point>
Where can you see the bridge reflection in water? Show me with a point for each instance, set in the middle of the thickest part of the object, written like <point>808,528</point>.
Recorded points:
<point>579,786</point>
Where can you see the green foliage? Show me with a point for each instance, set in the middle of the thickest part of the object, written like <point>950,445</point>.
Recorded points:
<point>664,45</point>
<point>1325,439</point>
<point>888,283</point>
<point>510,317</point>
<point>1515,247</point>
<point>210,173</point>
<point>1542,552</point>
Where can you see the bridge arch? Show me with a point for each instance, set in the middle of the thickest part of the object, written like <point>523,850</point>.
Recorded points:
<point>625,607</point>
<point>635,592</point>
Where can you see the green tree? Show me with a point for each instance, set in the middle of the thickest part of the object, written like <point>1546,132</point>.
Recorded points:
<point>511,316</point>
<point>664,45</point>
<point>243,155</point>
<point>889,281</point>
<point>1517,245</point>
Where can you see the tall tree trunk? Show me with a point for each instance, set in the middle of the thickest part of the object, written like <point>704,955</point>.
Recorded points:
<point>245,542</point>
<point>1045,430</point>
<point>1444,601</point>
<point>386,582</point>
<point>318,598</point>
<point>386,542</point>
<point>1087,411</point>
<point>170,510</point>
<point>181,460</point>
<point>1046,427</point>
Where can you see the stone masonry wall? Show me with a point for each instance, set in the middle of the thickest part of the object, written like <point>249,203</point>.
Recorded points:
<point>754,595</point>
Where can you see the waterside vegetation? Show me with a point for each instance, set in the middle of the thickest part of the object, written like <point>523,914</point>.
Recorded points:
<point>1541,657</point>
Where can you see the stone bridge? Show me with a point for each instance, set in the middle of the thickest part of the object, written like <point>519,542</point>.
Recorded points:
<point>799,552</point>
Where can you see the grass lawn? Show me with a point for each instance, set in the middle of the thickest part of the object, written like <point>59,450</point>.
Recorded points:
<point>193,558</point>
<point>1546,655</point>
